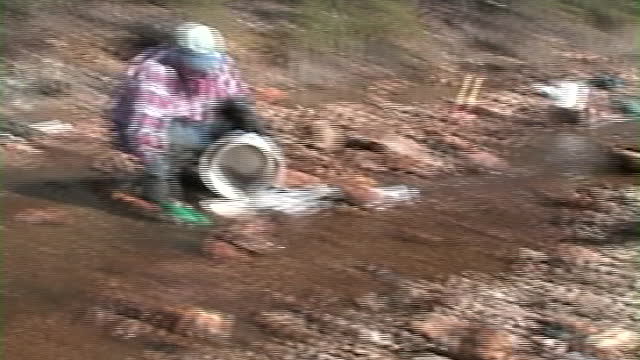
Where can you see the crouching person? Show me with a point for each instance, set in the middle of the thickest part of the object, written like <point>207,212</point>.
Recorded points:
<point>178,99</point>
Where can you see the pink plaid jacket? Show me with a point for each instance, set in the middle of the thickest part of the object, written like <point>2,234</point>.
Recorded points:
<point>154,94</point>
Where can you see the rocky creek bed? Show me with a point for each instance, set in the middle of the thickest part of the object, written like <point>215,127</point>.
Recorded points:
<point>523,245</point>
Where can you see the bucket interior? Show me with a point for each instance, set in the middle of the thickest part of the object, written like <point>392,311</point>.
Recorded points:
<point>245,168</point>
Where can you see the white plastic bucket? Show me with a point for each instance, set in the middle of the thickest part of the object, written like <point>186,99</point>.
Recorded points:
<point>241,165</point>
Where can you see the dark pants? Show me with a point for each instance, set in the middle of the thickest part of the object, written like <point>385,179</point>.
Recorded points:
<point>187,141</point>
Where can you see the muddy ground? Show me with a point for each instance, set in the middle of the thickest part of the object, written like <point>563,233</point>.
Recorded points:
<point>521,246</point>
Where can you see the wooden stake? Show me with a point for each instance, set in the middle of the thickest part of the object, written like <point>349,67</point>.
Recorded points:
<point>475,90</point>
<point>460,100</point>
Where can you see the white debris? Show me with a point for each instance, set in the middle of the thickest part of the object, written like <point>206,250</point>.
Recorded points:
<point>52,127</point>
<point>396,194</point>
<point>571,95</point>
<point>227,208</point>
<point>6,138</point>
<point>302,201</point>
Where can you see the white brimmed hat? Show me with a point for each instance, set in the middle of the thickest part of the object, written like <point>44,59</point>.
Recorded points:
<point>199,39</point>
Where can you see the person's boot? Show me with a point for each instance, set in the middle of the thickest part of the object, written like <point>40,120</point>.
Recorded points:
<point>185,214</point>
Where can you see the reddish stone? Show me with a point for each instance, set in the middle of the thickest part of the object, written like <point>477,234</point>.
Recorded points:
<point>575,325</point>
<point>270,95</point>
<point>612,344</point>
<point>361,195</point>
<point>220,250</point>
<point>326,136</point>
<point>358,190</point>
<point>487,344</point>
<point>251,234</point>
<point>199,323</point>
<point>465,341</point>
<point>486,160</point>
<point>578,255</point>
<point>457,143</point>
<point>293,178</point>
<point>444,330</point>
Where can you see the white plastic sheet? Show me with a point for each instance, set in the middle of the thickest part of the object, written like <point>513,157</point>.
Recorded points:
<point>302,201</point>
<point>571,95</point>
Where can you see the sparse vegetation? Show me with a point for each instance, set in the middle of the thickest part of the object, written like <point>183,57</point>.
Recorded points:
<point>605,15</point>
<point>346,26</point>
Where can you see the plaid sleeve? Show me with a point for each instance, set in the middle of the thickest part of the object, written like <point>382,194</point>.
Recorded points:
<point>231,81</point>
<point>151,110</point>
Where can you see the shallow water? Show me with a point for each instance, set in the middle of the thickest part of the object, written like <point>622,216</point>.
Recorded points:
<point>473,223</point>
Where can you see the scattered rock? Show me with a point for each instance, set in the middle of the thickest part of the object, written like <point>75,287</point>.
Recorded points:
<point>527,254</point>
<point>284,323</point>
<point>293,178</point>
<point>465,341</point>
<point>47,216</point>
<point>578,255</point>
<point>457,143</point>
<point>372,301</point>
<point>270,95</point>
<point>127,328</point>
<point>358,190</point>
<point>204,324</point>
<point>486,160</point>
<point>574,325</point>
<point>488,344</point>
<point>222,251</point>
<point>403,146</point>
<point>325,135</point>
<point>251,234</point>
<point>390,144</point>
<point>443,329</point>
<point>361,195</point>
<point>612,343</point>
